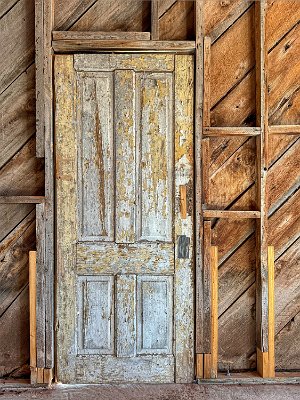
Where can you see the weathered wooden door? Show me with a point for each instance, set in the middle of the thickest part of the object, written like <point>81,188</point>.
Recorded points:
<point>124,197</point>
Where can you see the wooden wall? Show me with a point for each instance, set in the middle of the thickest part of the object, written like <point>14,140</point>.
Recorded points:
<point>230,23</point>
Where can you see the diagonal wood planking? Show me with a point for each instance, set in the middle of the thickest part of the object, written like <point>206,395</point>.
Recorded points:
<point>233,104</point>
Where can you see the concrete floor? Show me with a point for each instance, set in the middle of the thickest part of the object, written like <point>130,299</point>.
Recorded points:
<point>156,392</point>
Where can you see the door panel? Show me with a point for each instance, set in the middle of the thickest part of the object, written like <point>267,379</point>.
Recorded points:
<point>124,147</point>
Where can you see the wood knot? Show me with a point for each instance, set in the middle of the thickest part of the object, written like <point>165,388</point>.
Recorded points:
<point>225,3</point>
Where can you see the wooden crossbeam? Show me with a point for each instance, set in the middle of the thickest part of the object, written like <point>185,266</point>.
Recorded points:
<point>209,214</point>
<point>284,130</point>
<point>230,131</point>
<point>22,199</point>
<point>68,45</point>
<point>75,35</point>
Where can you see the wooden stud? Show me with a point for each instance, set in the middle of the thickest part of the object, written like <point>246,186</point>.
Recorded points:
<point>271,310</point>
<point>40,287</point>
<point>22,199</point>
<point>209,214</point>
<point>40,375</point>
<point>75,35</point>
<point>66,46</point>
<point>154,20</point>
<point>44,148</point>
<point>207,288</point>
<point>207,366</point>
<point>199,8</point>
<point>205,148</point>
<point>231,131</point>
<point>284,130</point>
<point>44,22</point>
<point>199,366</point>
<point>32,314</point>
<point>262,363</point>
<point>48,376</point>
<point>207,83</point>
<point>262,163</point>
<point>183,204</point>
<point>214,311</point>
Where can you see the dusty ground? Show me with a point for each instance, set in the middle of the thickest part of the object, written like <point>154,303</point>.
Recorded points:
<point>157,392</point>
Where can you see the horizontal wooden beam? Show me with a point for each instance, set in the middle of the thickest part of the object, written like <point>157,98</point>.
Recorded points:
<point>208,214</point>
<point>231,131</point>
<point>284,129</point>
<point>21,199</point>
<point>70,45</point>
<point>76,35</point>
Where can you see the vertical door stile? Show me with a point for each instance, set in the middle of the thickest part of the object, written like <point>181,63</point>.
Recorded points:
<point>66,212</point>
<point>184,310</point>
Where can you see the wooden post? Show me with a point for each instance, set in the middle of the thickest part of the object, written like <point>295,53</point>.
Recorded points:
<point>214,311</point>
<point>32,315</point>
<point>271,296</point>
<point>206,85</point>
<point>199,8</point>
<point>44,23</point>
<point>262,165</point>
<point>154,20</point>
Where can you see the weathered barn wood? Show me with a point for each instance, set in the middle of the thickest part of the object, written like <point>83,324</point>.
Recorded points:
<point>230,25</point>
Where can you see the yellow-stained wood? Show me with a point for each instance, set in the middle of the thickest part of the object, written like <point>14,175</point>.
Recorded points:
<point>262,363</point>
<point>40,375</point>
<point>183,205</point>
<point>32,314</point>
<point>199,365</point>
<point>271,310</point>
<point>214,311</point>
<point>207,83</point>
<point>207,366</point>
<point>48,376</point>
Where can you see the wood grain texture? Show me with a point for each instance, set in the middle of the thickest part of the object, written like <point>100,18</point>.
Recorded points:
<point>16,177</point>
<point>61,35</point>
<point>125,153</point>
<point>214,312</point>
<point>68,45</point>
<point>66,209</point>
<point>32,307</point>
<point>154,20</point>
<point>14,255</point>
<point>14,335</point>
<point>184,161</point>
<point>18,54</point>
<point>17,104</point>
<point>178,22</point>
